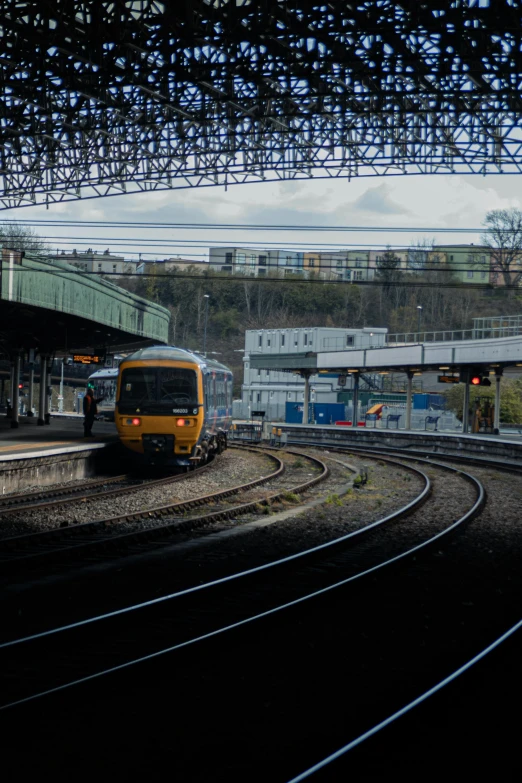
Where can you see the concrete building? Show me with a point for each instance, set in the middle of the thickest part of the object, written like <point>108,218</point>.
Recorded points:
<point>243,260</point>
<point>270,390</point>
<point>92,261</point>
<point>468,263</point>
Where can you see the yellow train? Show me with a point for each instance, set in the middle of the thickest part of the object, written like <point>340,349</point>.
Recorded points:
<point>173,406</point>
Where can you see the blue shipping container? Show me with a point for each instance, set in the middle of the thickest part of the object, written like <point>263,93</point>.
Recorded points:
<point>323,412</point>
<point>423,402</point>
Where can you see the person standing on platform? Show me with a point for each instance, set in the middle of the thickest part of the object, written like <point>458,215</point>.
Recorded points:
<point>90,409</point>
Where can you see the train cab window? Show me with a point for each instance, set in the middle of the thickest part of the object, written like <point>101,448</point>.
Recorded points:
<point>157,388</point>
<point>138,385</point>
<point>177,384</point>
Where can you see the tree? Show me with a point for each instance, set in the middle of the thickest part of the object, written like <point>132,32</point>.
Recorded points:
<point>387,268</point>
<point>510,399</point>
<point>503,237</point>
<point>18,237</point>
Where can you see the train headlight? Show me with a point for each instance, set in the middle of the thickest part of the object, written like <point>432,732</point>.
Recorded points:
<point>133,422</point>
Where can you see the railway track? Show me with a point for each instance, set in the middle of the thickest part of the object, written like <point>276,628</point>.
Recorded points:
<point>102,536</point>
<point>336,555</point>
<point>228,639</point>
<point>86,491</point>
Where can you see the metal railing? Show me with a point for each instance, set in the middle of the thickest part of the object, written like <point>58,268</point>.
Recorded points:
<point>410,338</point>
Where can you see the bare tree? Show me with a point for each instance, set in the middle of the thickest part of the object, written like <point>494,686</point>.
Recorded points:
<point>16,236</point>
<point>503,237</point>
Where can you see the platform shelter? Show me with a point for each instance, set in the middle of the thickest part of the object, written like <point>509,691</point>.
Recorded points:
<point>51,309</point>
<point>461,360</point>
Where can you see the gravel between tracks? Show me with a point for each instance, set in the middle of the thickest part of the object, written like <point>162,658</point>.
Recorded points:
<point>389,488</point>
<point>228,470</point>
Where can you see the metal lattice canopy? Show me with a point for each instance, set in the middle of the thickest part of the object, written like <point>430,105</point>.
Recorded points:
<point>108,96</point>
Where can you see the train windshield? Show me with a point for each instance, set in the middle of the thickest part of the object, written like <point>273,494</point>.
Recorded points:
<point>158,388</point>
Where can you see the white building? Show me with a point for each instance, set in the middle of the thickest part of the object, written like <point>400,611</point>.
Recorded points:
<point>270,390</point>
<point>255,262</point>
<point>92,261</point>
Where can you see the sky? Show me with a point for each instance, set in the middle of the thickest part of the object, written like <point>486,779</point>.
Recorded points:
<point>410,201</point>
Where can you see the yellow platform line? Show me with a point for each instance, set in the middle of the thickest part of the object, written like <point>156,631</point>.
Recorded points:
<point>37,445</point>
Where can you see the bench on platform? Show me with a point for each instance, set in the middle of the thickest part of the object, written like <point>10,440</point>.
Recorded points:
<point>431,420</point>
<point>393,417</point>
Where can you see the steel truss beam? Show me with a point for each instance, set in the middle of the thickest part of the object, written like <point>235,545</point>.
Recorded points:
<point>103,96</point>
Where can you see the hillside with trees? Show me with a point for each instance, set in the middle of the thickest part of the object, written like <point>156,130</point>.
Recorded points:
<point>241,303</point>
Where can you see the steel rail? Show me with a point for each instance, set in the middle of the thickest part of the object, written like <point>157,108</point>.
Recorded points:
<point>130,489</point>
<point>291,560</point>
<point>409,706</point>
<point>22,500</point>
<point>10,548</point>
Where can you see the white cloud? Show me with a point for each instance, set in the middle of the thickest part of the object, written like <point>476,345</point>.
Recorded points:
<point>385,202</point>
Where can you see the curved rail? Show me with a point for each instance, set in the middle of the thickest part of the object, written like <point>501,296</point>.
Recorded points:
<point>16,550</point>
<point>291,560</point>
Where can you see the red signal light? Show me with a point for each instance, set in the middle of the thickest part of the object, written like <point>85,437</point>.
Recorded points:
<point>20,386</point>
<point>475,381</point>
<point>136,422</point>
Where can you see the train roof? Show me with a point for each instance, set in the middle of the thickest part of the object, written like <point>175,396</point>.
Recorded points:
<point>172,353</point>
<point>106,374</point>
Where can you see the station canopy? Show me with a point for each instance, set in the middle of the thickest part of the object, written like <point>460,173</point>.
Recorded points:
<point>53,307</point>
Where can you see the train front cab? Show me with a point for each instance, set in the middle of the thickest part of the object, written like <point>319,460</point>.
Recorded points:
<point>169,436</point>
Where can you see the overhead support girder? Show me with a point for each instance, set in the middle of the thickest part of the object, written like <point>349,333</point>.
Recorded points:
<point>97,98</point>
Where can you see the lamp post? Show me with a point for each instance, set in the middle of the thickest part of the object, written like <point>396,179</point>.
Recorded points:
<point>419,309</point>
<point>206,297</point>
<point>60,398</point>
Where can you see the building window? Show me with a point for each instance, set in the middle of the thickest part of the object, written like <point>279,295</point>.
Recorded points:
<point>451,258</point>
<point>114,267</point>
<point>289,395</point>
<point>349,339</point>
<point>271,395</point>
<point>268,341</point>
<point>259,373</point>
<point>358,275</point>
<point>359,262</point>
<point>311,262</point>
<point>296,338</point>
<point>241,258</point>
<point>228,258</point>
<point>289,261</point>
<point>282,340</point>
<point>339,263</point>
<point>470,273</point>
<point>483,275</point>
<point>348,274</point>
<point>268,373</point>
<point>99,267</point>
<point>259,396</point>
<point>246,365</point>
<point>252,260</point>
<point>262,271</point>
<point>306,339</point>
<point>260,341</point>
<point>262,260</point>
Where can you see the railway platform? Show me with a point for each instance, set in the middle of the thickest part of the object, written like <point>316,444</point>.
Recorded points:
<point>33,456</point>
